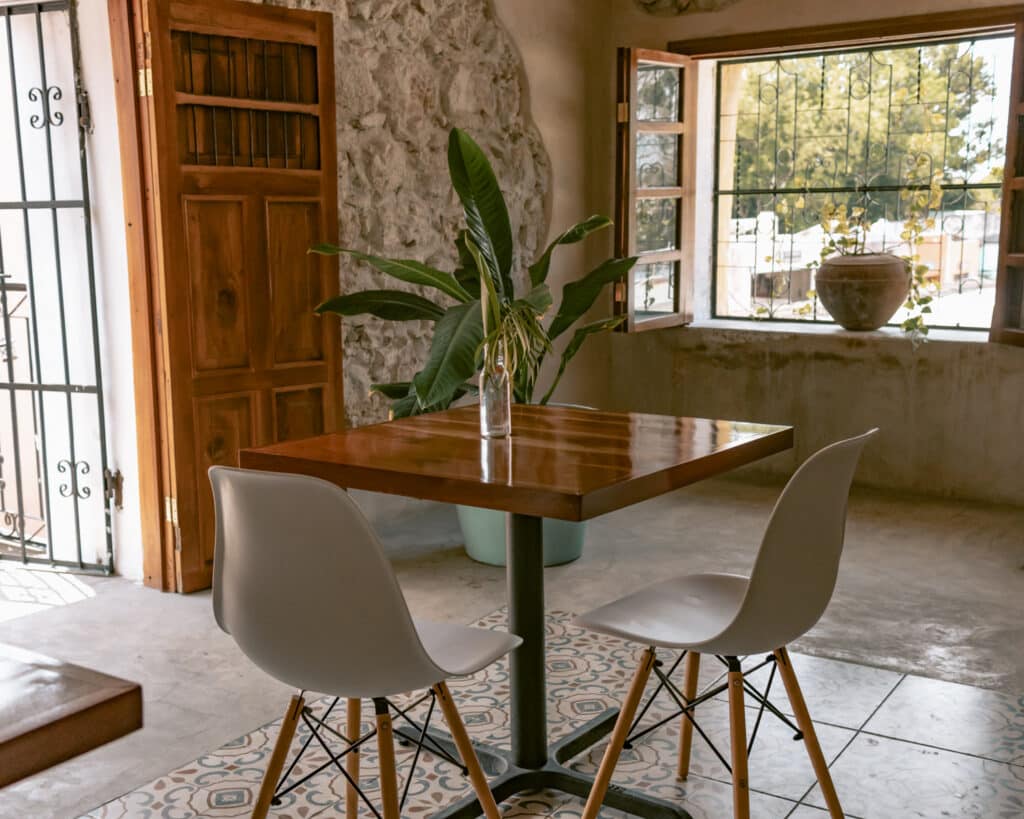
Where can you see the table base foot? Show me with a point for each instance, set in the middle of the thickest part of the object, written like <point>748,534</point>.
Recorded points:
<point>554,775</point>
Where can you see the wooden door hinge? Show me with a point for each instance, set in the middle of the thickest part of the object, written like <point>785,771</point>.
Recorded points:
<point>622,112</point>
<point>146,82</point>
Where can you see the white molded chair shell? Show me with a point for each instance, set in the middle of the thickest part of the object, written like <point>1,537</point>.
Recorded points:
<point>301,582</point>
<point>788,590</point>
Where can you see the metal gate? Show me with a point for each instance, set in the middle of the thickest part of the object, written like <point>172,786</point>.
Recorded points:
<point>56,490</point>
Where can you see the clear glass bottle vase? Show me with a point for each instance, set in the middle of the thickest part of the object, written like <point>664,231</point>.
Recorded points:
<point>495,399</point>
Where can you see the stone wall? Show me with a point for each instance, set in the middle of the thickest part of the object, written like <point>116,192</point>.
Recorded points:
<point>406,71</point>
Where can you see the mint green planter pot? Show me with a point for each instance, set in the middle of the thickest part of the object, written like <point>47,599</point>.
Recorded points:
<point>484,533</point>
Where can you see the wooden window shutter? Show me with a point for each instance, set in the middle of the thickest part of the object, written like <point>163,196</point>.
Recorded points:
<point>1008,316</point>
<point>651,135</point>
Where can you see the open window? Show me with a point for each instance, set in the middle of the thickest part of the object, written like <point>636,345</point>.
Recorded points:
<point>1008,316</point>
<point>864,116</point>
<point>649,189</point>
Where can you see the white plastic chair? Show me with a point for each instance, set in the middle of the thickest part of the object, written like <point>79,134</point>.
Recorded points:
<point>732,616</point>
<point>301,582</point>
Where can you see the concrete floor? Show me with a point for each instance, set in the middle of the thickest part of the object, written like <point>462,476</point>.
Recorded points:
<point>927,586</point>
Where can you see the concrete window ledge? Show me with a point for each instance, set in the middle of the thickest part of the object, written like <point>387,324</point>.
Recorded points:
<point>835,331</point>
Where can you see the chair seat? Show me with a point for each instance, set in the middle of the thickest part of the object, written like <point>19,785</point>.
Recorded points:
<point>461,650</point>
<point>684,612</point>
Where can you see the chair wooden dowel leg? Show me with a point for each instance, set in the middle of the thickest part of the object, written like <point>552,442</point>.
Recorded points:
<point>738,739</point>
<point>469,758</point>
<point>278,756</point>
<point>386,761</point>
<point>803,721</point>
<point>619,734</point>
<point>691,673</point>
<point>353,721</point>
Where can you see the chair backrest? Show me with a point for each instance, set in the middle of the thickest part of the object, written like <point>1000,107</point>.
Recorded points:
<point>798,562</point>
<point>302,584</point>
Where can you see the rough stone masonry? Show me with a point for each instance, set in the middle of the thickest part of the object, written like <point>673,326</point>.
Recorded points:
<point>406,71</point>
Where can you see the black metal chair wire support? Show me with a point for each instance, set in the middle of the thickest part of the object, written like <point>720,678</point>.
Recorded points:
<point>710,692</point>
<point>422,740</point>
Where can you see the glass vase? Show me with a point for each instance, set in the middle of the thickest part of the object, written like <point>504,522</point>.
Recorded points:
<point>495,400</point>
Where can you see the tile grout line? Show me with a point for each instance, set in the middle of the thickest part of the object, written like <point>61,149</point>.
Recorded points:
<point>856,734</point>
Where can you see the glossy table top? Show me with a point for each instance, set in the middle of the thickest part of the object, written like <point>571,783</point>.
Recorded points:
<point>564,463</point>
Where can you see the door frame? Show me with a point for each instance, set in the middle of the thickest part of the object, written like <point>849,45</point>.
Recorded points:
<point>131,62</point>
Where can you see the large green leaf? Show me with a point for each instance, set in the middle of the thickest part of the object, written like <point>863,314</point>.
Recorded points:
<point>466,274</point>
<point>579,296</point>
<point>404,401</point>
<point>394,390</point>
<point>539,298</point>
<point>408,270</point>
<point>486,213</point>
<point>573,347</point>
<point>539,269</point>
<point>393,305</point>
<point>453,354</point>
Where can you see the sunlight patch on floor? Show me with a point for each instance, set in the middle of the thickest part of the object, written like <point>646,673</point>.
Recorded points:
<point>26,591</point>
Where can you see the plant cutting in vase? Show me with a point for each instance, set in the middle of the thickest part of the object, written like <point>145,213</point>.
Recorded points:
<point>482,318</point>
<point>861,288</point>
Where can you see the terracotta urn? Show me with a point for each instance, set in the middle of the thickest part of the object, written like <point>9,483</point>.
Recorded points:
<point>863,291</point>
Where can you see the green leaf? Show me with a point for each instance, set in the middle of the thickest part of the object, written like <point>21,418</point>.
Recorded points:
<point>405,406</point>
<point>453,355</point>
<point>394,390</point>
<point>393,305</point>
<point>579,296</point>
<point>539,299</point>
<point>408,270</point>
<point>539,269</point>
<point>486,213</point>
<point>466,273</point>
<point>573,347</point>
<point>489,304</point>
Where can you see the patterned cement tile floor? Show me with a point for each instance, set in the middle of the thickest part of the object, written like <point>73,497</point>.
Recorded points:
<point>899,746</point>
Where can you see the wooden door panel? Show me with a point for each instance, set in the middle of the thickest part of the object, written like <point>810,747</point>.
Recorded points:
<point>243,102</point>
<point>218,283</point>
<point>223,425</point>
<point>296,285</point>
<point>298,413</point>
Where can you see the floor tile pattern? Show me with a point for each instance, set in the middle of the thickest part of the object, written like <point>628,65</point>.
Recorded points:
<point>898,746</point>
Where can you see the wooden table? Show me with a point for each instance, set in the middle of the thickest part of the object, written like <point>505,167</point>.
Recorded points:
<point>563,463</point>
<point>51,711</point>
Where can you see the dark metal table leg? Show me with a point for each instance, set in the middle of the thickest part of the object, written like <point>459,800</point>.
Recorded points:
<point>525,574</point>
<point>531,765</point>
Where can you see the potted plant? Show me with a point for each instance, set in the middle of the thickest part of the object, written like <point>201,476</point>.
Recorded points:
<point>486,318</point>
<point>862,289</point>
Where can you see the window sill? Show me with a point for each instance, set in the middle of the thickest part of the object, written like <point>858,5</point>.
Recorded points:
<point>835,331</point>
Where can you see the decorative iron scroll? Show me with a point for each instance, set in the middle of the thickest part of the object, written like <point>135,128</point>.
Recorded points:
<point>73,489</point>
<point>49,116</point>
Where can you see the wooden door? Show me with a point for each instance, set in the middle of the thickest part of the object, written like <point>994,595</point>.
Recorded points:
<point>240,104</point>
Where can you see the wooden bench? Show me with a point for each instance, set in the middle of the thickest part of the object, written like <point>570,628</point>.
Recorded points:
<point>51,711</point>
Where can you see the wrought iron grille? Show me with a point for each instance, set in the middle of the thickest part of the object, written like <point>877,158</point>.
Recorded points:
<point>863,128</point>
<point>55,485</point>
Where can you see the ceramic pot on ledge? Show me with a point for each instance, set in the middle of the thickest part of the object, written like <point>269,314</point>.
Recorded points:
<point>863,291</point>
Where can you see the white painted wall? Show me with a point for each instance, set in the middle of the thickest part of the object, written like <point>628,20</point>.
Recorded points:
<point>112,275</point>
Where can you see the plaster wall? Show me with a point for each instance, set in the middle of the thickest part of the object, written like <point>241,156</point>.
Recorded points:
<point>949,410</point>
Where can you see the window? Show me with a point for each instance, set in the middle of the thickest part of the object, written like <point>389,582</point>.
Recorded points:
<point>868,130</point>
<point>650,158</point>
<point>878,118</point>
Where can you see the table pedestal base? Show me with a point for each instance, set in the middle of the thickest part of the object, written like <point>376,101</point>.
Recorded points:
<point>508,779</point>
